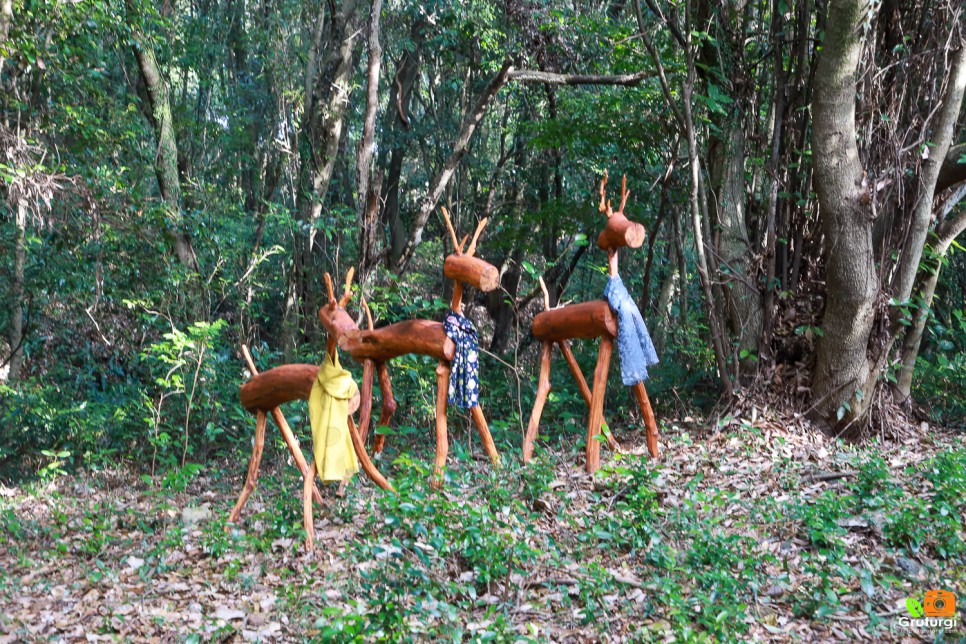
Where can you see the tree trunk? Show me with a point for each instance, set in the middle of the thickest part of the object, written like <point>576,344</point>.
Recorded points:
<point>936,169</point>
<point>368,196</point>
<point>668,287</point>
<point>321,134</point>
<point>743,301</point>
<point>946,233</point>
<point>15,334</point>
<point>699,238</point>
<point>500,301</point>
<point>166,156</point>
<point>922,210</point>
<point>842,383</point>
<point>324,144</point>
<point>6,19</point>
<point>397,121</point>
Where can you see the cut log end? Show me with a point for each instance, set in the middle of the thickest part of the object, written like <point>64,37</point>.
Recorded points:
<point>621,232</point>
<point>473,271</point>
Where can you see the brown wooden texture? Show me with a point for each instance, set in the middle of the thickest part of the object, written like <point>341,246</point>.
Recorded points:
<point>335,320</point>
<point>365,461</point>
<point>484,430</point>
<point>640,393</point>
<point>269,389</point>
<point>543,388</point>
<point>422,337</point>
<point>261,421</point>
<point>290,440</point>
<point>584,389</point>
<point>619,232</point>
<point>365,403</point>
<point>472,271</point>
<point>294,448</point>
<point>584,320</point>
<point>442,441</point>
<point>307,520</point>
<point>456,303</point>
<point>388,406</point>
<point>597,404</point>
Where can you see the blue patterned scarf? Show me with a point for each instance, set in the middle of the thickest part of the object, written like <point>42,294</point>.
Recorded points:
<point>633,341</point>
<point>464,375</point>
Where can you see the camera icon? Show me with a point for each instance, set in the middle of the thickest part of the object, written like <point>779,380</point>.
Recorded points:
<point>939,603</point>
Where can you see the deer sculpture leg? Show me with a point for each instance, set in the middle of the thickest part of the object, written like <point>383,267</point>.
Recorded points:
<point>640,393</point>
<point>307,486</point>
<point>365,398</point>
<point>364,459</point>
<point>584,389</point>
<point>290,440</point>
<point>543,389</point>
<point>597,403</point>
<point>442,440</point>
<point>261,420</point>
<point>484,430</point>
<point>388,406</point>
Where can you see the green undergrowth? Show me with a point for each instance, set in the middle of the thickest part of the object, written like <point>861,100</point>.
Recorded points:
<point>688,548</point>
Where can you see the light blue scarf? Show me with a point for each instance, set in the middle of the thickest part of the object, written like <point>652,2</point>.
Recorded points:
<point>633,341</point>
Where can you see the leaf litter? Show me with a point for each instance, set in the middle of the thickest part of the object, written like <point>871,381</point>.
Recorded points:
<point>106,556</point>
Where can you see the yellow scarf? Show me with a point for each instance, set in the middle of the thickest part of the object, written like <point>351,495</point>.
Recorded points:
<point>335,457</point>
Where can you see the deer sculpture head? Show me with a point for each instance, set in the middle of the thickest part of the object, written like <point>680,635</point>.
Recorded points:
<point>465,268</point>
<point>333,315</point>
<point>619,230</point>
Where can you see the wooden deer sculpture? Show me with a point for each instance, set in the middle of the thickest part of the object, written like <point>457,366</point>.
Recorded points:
<point>589,320</point>
<point>265,393</point>
<point>374,348</point>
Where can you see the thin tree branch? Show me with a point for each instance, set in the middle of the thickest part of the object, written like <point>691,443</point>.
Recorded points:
<point>553,78</point>
<point>460,147</point>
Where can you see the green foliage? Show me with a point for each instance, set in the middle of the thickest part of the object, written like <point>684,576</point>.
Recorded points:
<point>821,520</point>
<point>934,522</point>
<point>941,369</point>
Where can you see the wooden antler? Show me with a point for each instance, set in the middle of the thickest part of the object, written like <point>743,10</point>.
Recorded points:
<point>347,293</point>
<point>604,206</point>
<point>619,231</point>
<point>476,235</point>
<point>365,306</point>
<point>546,294</point>
<point>457,247</point>
<point>328,287</point>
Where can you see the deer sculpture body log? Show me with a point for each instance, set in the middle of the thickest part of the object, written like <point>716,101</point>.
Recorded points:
<point>375,348</point>
<point>589,320</point>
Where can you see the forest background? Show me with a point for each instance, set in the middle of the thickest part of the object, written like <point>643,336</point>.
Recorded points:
<point>176,178</point>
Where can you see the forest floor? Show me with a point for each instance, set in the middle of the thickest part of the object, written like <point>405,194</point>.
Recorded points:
<point>762,530</point>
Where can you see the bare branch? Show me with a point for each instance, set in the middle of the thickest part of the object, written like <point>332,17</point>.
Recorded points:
<point>553,78</point>
<point>347,293</point>
<point>460,147</point>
